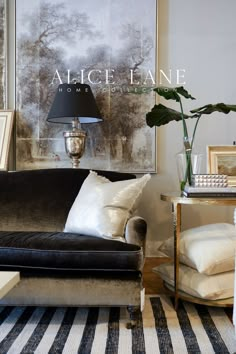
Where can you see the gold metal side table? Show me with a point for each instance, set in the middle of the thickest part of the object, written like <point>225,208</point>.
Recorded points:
<point>177,201</point>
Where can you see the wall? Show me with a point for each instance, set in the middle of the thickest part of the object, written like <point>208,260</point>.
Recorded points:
<point>200,37</point>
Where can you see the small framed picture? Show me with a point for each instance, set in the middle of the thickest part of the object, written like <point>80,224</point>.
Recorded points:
<point>221,159</point>
<point>6,124</point>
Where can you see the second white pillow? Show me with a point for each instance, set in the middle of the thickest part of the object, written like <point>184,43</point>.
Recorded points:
<point>209,248</point>
<point>215,287</point>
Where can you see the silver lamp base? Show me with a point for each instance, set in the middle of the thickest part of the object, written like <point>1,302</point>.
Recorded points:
<point>75,143</point>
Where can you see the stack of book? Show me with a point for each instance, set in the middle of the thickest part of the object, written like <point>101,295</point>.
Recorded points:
<point>209,186</point>
<point>198,192</point>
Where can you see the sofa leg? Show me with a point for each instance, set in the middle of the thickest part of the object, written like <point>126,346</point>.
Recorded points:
<point>134,314</point>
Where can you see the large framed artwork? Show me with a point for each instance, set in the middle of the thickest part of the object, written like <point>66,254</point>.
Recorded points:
<point>3,55</point>
<point>110,45</point>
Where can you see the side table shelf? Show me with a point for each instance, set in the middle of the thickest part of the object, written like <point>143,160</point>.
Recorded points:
<point>177,201</point>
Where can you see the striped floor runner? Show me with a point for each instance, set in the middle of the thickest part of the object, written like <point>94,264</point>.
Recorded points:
<point>194,329</point>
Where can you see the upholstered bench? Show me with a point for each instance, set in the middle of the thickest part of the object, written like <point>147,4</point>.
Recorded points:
<point>64,268</point>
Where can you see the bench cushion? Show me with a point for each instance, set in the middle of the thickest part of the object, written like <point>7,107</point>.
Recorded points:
<point>59,250</point>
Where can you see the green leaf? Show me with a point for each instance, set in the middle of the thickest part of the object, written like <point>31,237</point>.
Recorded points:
<point>161,115</point>
<point>172,93</point>
<point>210,108</point>
<point>181,90</point>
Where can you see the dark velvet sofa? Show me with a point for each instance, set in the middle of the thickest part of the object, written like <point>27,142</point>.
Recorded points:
<point>58,268</point>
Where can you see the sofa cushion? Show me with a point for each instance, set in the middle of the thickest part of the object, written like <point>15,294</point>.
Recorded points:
<point>102,207</point>
<point>58,250</point>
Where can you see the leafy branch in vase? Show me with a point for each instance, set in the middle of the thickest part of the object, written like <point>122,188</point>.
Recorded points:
<point>161,115</point>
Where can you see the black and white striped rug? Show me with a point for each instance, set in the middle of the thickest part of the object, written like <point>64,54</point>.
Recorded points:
<point>194,329</point>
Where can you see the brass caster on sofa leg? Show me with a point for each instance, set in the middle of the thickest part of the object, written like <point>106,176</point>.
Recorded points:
<point>134,314</point>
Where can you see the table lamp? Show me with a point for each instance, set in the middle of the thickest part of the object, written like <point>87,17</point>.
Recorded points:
<point>74,104</point>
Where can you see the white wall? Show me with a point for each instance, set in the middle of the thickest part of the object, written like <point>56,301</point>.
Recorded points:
<point>200,37</point>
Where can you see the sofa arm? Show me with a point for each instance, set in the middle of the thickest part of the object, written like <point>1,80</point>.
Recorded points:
<point>135,231</point>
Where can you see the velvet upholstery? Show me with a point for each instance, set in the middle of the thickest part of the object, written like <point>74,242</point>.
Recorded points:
<point>74,273</point>
<point>54,291</point>
<point>61,250</point>
<point>40,200</point>
<point>135,231</point>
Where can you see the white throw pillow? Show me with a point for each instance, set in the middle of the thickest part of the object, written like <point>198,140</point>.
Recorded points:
<point>209,248</point>
<point>102,207</point>
<point>211,287</point>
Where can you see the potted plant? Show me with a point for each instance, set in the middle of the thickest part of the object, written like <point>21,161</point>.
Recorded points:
<point>161,115</point>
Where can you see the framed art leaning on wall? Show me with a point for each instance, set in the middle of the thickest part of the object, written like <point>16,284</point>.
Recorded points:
<point>6,124</point>
<point>222,160</point>
<point>3,55</point>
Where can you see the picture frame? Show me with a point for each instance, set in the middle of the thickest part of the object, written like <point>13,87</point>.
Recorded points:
<point>87,54</point>
<point>3,54</point>
<point>221,159</point>
<point>6,125</point>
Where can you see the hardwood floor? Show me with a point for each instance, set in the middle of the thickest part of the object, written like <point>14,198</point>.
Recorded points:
<point>153,283</point>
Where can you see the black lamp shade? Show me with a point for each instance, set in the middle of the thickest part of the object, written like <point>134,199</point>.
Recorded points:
<point>71,101</point>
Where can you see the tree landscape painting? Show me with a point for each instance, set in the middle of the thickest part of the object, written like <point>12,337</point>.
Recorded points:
<point>109,45</point>
<point>3,92</point>
<point>226,165</point>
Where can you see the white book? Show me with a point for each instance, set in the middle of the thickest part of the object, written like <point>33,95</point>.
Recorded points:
<point>191,189</point>
<point>204,184</point>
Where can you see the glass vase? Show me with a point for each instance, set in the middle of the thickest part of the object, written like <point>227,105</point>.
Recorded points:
<point>188,163</point>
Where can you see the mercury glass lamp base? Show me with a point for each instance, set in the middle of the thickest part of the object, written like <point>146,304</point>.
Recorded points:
<point>75,145</point>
